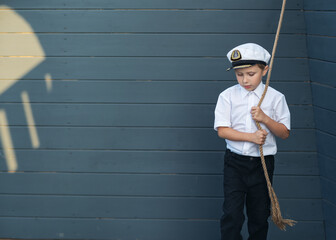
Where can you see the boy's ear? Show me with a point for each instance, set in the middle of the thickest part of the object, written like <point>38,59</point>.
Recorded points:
<point>265,70</point>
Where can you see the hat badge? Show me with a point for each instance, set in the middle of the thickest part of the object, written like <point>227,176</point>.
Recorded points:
<point>236,55</point>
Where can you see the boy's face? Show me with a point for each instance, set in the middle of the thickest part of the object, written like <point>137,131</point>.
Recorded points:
<point>250,78</point>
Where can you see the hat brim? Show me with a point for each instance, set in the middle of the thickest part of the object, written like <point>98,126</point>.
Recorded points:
<point>240,66</point>
<point>245,64</point>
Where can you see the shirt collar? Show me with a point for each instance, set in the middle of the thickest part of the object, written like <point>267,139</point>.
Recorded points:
<point>258,91</point>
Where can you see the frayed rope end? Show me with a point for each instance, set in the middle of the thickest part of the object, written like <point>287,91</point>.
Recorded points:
<point>282,223</point>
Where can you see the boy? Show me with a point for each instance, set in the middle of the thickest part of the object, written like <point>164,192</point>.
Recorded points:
<point>235,117</point>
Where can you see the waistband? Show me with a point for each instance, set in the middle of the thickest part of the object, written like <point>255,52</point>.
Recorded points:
<point>243,157</point>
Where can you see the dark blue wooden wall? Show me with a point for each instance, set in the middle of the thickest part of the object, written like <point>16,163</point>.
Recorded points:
<point>123,106</point>
<point>321,39</point>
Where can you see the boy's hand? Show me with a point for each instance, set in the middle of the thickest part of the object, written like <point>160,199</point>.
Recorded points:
<point>259,137</point>
<point>258,115</point>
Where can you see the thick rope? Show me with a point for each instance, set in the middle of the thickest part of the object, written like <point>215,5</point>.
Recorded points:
<point>276,212</point>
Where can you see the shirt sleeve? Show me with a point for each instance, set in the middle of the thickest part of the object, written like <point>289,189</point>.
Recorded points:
<point>282,114</point>
<point>223,111</point>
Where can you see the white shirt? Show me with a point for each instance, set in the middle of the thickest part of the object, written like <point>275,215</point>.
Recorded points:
<point>233,110</point>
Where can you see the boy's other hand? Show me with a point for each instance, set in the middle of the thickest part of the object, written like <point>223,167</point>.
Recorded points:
<point>259,137</point>
<point>258,115</point>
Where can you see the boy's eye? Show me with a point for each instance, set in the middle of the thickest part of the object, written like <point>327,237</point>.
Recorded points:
<point>251,74</point>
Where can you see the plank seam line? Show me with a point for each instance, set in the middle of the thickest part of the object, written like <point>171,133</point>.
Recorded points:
<point>328,180</point>
<point>135,104</point>
<point>325,109</point>
<point>156,81</point>
<point>327,156</point>
<point>326,133</point>
<point>132,56</point>
<point>148,81</point>
<point>153,150</point>
<point>11,195</point>
<point>287,35</point>
<point>318,11</point>
<point>329,202</point>
<point>157,173</point>
<point>320,60</point>
<point>298,10</point>
<point>65,126</point>
<point>138,174</point>
<point>311,36</point>
<point>116,196</point>
<point>134,218</point>
<point>156,151</point>
<point>205,197</point>
<point>297,32</point>
<point>166,57</point>
<point>113,218</point>
<point>323,85</point>
<point>302,35</point>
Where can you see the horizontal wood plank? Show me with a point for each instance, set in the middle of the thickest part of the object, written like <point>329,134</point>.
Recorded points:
<point>133,115</point>
<point>123,138</point>
<point>319,23</point>
<point>329,213</point>
<point>325,120</point>
<point>320,5</point>
<point>328,188</point>
<point>302,230</point>
<point>144,68</point>
<point>186,92</point>
<point>148,4</point>
<point>320,46</point>
<point>102,229</point>
<point>321,70</point>
<point>160,185</point>
<point>157,45</point>
<point>326,143</point>
<point>330,231</point>
<point>138,207</point>
<point>327,167</point>
<point>171,162</point>
<point>159,21</point>
<point>324,96</point>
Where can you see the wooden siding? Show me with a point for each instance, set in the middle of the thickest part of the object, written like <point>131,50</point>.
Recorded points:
<point>149,4</point>
<point>321,33</point>
<point>127,149</point>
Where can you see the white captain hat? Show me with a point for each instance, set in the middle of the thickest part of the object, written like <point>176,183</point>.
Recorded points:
<point>247,55</point>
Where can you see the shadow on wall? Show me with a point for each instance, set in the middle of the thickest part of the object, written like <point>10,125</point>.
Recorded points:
<point>13,68</point>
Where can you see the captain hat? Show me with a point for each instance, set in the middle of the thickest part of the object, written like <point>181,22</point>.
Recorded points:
<point>247,55</point>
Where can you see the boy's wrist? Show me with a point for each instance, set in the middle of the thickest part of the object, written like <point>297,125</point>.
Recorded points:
<point>266,120</point>
<point>249,137</point>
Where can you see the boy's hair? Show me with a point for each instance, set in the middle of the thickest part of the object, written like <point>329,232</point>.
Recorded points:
<point>261,66</point>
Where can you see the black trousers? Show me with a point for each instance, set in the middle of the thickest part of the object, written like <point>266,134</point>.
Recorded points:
<point>244,182</point>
